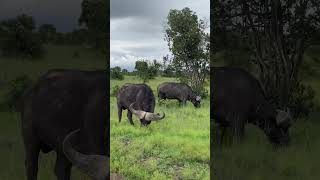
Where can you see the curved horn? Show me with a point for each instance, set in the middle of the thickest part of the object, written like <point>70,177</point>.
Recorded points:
<point>148,116</point>
<point>96,166</point>
<point>154,116</point>
<point>140,114</point>
<point>282,116</point>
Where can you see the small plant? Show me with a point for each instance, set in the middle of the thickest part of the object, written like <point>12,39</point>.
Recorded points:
<point>17,88</point>
<point>114,90</point>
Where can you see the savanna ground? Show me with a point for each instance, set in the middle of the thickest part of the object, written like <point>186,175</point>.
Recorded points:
<point>178,147</point>
<point>11,145</point>
<point>256,159</point>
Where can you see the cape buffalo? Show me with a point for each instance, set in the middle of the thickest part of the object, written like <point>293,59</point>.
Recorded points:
<point>237,99</point>
<point>181,92</point>
<point>66,111</point>
<point>139,100</point>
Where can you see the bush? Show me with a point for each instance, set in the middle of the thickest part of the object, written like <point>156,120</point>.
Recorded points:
<point>114,90</point>
<point>302,100</point>
<point>115,73</point>
<point>17,88</point>
<point>20,39</point>
<point>147,71</point>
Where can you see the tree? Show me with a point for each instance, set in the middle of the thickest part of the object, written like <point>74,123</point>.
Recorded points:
<point>19,39</point>
<point>189,45</point>
<point>277,33</point>
<point>167,68</point>
<point>93,17</point>
<point>147,71</point>
<point>115,73</point>
<point>47,32</point>
<point>124,71</point>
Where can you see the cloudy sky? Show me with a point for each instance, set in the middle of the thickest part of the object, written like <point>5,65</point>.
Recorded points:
<point>137,28</point>
<point>63,14</point>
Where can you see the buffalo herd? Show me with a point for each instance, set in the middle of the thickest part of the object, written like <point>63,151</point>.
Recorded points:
<point>139,100</point>
<point>66,111</point>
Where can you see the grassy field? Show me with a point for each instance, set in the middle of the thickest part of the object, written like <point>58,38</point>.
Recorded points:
<point>11,147</point>
<point>174,148</point>
<point>256,159</point>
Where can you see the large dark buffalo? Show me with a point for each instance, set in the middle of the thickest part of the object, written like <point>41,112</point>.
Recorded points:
<point>179,91</point>
<point>237,99</point>
<point>139,100</point>
<point>66,111</point>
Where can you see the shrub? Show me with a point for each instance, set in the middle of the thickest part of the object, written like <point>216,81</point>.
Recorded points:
<point>302,100</point>
<point>17,88</point>
<point>114,90</point>
<point>115,73</point>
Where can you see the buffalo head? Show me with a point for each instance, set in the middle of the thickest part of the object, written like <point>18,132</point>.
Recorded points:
<point>96,166</point>
<point>146,117</point>
<point>279,131</point>
<point>196,101</point>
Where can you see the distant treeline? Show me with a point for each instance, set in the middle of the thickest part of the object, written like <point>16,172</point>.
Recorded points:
<point>145,70</point>
<point>21,36</point>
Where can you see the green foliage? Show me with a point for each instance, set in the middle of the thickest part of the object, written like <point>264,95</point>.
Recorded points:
<point>115,73</point>
<point>47,32</point>
<point>189,45</point>
<point>124,71</point>
<point>16,90</point>
<point>114,90</point>
<point>167,68</point>
<point>168,71</point>
<point>302,100</point>
<point>93,16</point>
<point>147,71</point>
<point>19,39</point>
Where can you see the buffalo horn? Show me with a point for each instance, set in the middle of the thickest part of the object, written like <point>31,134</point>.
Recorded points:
<point>148,116</point>
<point>96,166</point>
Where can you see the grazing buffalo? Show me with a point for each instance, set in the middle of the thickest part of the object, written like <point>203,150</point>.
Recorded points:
<point>237,99</point>
<point>139,100</point>
<point>66,111</point>
<point>179,91</point>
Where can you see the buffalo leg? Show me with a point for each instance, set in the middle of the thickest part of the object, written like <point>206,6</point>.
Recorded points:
<point>62,168</point>
<point>223,132</point>
<point>129,115</point>
<point>237,125</point>
<point>32,155</point>
<point>184,102</point>
<point>119,113</point>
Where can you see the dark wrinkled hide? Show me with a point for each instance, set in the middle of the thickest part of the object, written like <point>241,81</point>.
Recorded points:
<point>139,94</point>
<point>63,101</point>
<point>237,99</point>
<point>178,91</point>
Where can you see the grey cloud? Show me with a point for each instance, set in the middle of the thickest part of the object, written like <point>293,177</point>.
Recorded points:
<point>64,14</point>
<point>137,28</point>
<point>140,8</point>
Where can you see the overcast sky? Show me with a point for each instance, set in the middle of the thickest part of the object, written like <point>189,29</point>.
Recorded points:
<point>63,14</point>
<point>137,28</point>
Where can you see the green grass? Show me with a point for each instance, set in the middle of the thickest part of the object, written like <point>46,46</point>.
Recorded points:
<point>11,145</point>
<point>256,159</point>
<point>174,148</point>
